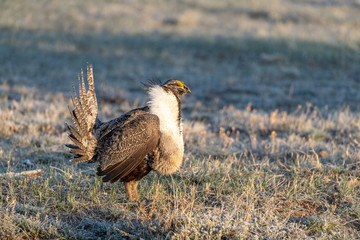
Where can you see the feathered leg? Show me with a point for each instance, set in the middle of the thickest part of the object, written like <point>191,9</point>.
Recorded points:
<point>135,192</point>
<point>131,190</point>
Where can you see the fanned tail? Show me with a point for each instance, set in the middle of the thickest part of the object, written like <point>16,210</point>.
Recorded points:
<point>84,117</point>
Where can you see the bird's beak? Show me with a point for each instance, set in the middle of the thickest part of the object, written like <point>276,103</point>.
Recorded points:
<point>187,89</point>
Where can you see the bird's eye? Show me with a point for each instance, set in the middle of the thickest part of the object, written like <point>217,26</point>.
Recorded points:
<point>181,84</point>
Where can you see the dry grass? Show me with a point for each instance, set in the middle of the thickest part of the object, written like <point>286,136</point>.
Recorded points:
<point>271,129</point>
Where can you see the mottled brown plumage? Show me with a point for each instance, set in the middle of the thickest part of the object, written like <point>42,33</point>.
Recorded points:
<point>127,148</point>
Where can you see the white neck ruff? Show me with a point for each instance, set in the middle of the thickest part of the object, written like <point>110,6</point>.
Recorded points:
<point>166,107</point>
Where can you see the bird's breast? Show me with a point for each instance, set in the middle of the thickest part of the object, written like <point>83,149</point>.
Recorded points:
<point>168,156</point>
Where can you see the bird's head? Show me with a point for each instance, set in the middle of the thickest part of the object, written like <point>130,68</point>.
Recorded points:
<point>176,86</point>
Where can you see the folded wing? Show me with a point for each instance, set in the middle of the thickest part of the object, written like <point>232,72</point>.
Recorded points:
<point>122,150</point>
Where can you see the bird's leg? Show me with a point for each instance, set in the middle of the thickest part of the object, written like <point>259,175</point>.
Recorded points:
<point>128,190</point>
<point>131,190</point>
<point>135,192</point>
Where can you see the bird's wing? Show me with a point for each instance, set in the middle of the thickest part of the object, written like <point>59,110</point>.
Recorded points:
<point>121,150</point>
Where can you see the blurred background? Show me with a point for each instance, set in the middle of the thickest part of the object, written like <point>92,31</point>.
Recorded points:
<point>274,54</point>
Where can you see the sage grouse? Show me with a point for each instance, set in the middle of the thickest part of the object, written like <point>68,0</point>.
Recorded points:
<point>127,148</point>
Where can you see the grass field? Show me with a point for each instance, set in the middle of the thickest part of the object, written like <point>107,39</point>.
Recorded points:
<point>271,130</point>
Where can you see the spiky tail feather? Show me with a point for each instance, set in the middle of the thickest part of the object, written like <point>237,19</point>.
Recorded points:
<point>84,118</point>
